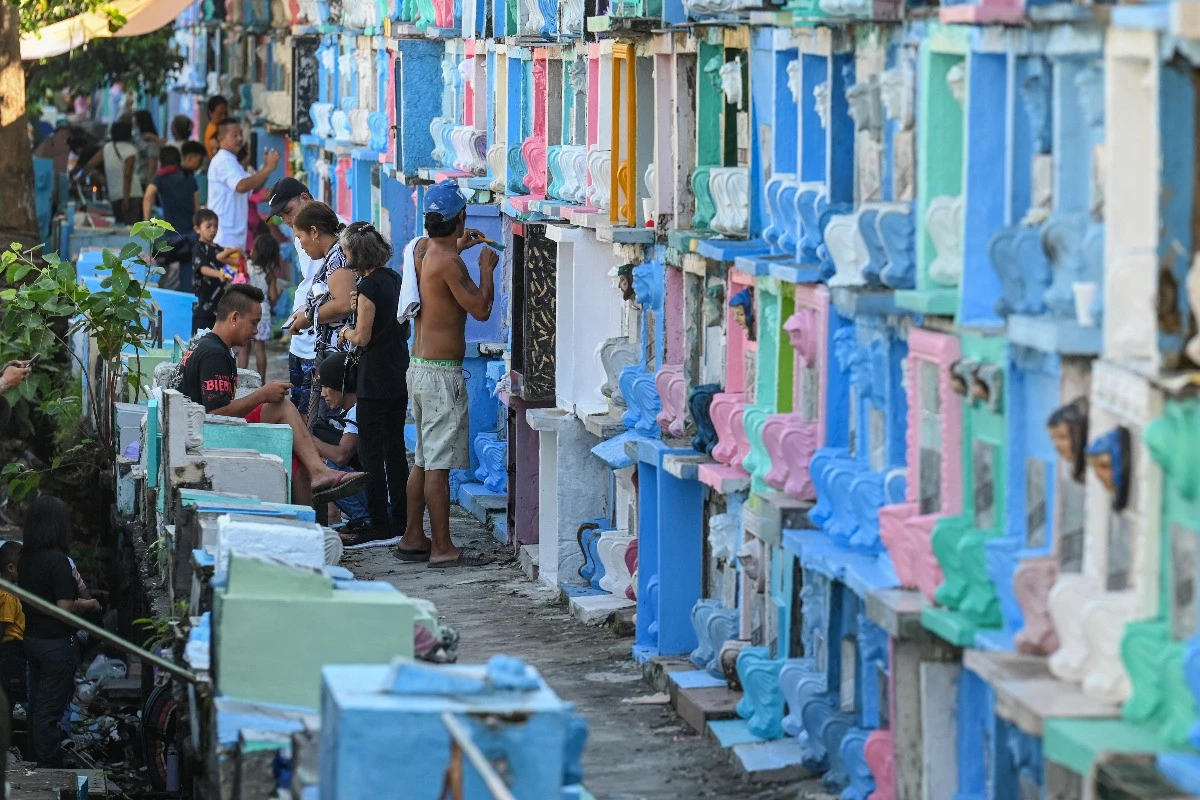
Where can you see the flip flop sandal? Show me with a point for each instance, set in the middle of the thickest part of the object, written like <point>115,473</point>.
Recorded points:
<point>467,557</point>
<point>404,554</point>
<point>344,485</point>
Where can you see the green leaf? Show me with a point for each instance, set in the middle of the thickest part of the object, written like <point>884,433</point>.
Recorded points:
<point>133,249</point>
<point>19,272</point>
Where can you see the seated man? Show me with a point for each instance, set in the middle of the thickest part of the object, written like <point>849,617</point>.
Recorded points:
<point>209,377</point>
<point>336,438</point>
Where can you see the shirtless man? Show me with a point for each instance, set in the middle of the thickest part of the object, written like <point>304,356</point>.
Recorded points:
<point>435,380</point>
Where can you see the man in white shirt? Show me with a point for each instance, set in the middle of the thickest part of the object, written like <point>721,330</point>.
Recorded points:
<point>229,184</point>
<point>288,196</point>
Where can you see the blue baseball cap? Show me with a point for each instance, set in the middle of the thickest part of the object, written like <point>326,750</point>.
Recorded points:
<point>445,200</point>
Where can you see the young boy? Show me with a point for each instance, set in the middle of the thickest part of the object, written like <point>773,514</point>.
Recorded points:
<point>210,269</point>
<point>335,435</point>
<point>12,623</point>
<point>175,191</point>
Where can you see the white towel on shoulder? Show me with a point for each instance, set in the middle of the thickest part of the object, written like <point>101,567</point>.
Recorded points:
<point>410,292</point>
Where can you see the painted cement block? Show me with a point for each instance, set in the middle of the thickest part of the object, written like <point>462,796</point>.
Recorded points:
<point>370,713</point>
<point>277,626</point>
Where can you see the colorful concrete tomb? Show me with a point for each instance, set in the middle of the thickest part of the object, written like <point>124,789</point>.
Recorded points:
<point>187,463</point>
<point>1120,581</point>
<point>370,713</point>
<point>934,469</point>
<point>287,542</point>
<point>940,163</point>
<point>277,626</point>
<point>960,543</point>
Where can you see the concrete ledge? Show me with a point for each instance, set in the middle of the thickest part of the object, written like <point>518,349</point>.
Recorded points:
<point>480,502</point>
<point>604,426</point>
<point>731,732</point>
<point>685,466</point>
<point>595,609</point>
<point>771,762</point>
<point>699,698</point>
<point>898,611</point>
<point>551,420</point>
<point>528,558</point>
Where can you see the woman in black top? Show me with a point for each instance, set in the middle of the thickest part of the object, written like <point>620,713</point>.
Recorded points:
<point>382,391</point>
<point>45,570</point>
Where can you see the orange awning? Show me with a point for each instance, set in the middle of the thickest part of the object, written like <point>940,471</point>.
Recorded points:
<point>143,16</point>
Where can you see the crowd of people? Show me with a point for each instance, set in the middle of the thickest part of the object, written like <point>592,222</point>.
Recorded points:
<point>351,377</point>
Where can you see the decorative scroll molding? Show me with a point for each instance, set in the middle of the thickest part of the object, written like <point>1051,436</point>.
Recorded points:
<point>701,189</point>
<point>377,122</point>
<point>573,159</point>
<point>672,388</point>
<point>588,537</point>
<point>279,109</point>
<point>360,128</point>
<point>497,159</point>
<point>727,409</point>
<point>1020,262</point>
<point>788,439</point>
<point>642,401</point>
<point>897,234</point>
<point>616,355</point>
<point>780,231</point>
<point>700,406</point>
<point>762,700</point>
<point>557,178</point>
<point>1034,579</point>
<point>848,249</point>
<point>600,173</point>
<point>492,452</point>
<point>880,751</point>
<point>730,187</point>
<point>516,171</point>
<point>320,114</point>
<point>612,548</point>
<point>944,224</point>
<point>1075,248</point>
<point>437,127</point>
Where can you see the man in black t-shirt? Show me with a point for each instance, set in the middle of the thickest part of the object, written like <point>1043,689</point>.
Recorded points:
<point>209,377</point>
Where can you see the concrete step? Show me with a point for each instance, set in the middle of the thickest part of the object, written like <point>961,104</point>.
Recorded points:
<point>776,761</point>
<point>528,556</point>
<point>480,502</point>
<point>699,698</point>
<point>498,522</point>
<point>597,609</point>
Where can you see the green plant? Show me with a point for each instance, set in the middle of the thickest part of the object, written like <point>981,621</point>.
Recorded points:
<point>159,625</point>
<point>45,307</point>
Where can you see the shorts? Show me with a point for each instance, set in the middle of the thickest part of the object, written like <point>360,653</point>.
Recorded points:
<point>300,373</point>
<point>439,406</point>
<point>255,415</point>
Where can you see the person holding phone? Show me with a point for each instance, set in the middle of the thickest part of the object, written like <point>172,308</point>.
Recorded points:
<point>15,373</point>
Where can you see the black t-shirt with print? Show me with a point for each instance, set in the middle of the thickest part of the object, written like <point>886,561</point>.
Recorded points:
<point>209,373</point>
<point>208,290</point>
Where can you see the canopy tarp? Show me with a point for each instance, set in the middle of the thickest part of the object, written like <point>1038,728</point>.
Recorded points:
<point>142,17</point>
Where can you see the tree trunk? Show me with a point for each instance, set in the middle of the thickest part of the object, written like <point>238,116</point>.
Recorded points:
<point>18,222</point>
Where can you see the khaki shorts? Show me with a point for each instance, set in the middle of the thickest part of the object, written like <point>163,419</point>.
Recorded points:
<point>438,393</point>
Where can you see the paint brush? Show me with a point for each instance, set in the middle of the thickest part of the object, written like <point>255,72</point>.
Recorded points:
<point>495,245</point>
